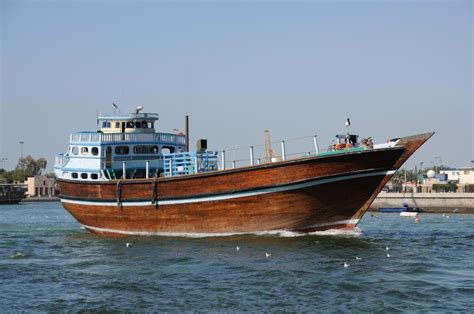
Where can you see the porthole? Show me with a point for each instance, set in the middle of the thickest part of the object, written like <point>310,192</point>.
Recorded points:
<point>95,151</point>
<point>75,150</point>
<point>94,176</point>
<point>84,175</point>
<point>74,175</point>
<point>84,151</point>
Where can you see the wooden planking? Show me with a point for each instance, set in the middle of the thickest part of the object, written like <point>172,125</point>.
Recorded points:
<point>302,210</point>
<point>410,145</point>
<point>244,178</point>
<point>294,210</point>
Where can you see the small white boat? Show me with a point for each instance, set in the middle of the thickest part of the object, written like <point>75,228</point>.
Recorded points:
<point>408,214</point>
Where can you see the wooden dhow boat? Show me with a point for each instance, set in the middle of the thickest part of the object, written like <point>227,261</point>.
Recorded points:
<point>128,179</point>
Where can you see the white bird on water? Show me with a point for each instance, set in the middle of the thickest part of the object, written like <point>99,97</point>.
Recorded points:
<point>128,244</point>
<point>267,255</point>
<point>358,258</point>
<point>237,248</point>
<point>387,248</point>
<point>388,254</point>
<point>346,265</point>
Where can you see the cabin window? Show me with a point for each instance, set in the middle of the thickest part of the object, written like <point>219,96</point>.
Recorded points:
<point>144,124</point>
<point>117,125</point>
<point>167,150</point>
<point>84,151</point>
<point>130,125</point>
<point>94,176</point>
<point>104,124</point>
<point>145,149</point>
<point>122,150</point>
<point>75,150</point>
<point>95,151</point>
<point>83,175</point>
<point>138,125</point>
<point>74,175</point>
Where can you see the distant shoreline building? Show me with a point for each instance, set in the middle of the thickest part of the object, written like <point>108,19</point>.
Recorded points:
<point>453,180</point>
<point>461,176</point>
<point>41,186</point>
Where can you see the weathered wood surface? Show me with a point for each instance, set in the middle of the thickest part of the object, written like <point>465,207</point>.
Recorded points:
<point>249,178</point>
<point>324,206</point>
<point>303,210</point>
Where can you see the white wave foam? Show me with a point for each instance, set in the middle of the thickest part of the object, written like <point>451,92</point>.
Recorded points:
<point>281,233</point>
<point>356,232</point>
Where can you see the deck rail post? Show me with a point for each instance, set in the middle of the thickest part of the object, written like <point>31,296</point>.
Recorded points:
<point>283,154</point>
<point>251,155</point>
<point>258,161</point>
<point>316,148</point>
<point>147,169</point>
<point>233,164</point>
<point>223,160</point>
<point>195,164</point>
<point>124,171</point>
<point>171,167</point>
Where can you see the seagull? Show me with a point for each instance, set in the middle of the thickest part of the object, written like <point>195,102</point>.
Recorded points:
<point>417,219</point>
<point>346,265</point>
<point>267,255</point>
<point>358,258</point>
<point>444,215</point>
<point>387,248</point>
<point>447,216</point>
<point>388,254</point>
<point>237,248</point>
<point>128,244</point>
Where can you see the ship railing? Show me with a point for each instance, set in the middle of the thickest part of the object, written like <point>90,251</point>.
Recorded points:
<point>286,149</point>
<point>189,163</point>
<point>61,160</point>
<point>173,164</point>
<point>242,156</point>
<point>95,137</point>
<point>129,170</point>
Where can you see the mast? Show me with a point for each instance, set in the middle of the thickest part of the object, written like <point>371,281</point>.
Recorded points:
<point>186,126</point>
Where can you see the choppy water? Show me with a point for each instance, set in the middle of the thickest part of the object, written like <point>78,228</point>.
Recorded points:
<point>47,263</point>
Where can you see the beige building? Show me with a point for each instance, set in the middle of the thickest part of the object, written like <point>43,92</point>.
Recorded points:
<point>466,176</point>
<point>461,175</point>
<point>40,186</point>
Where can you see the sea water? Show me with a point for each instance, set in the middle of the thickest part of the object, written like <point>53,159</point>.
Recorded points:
<point>48,263</point>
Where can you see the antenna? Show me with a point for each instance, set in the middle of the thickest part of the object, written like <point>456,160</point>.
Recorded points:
<point>348,124</point>
<point>138,109</point>
<point>115,107</point>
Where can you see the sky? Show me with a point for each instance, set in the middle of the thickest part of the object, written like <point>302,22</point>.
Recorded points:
<point>396,68</point>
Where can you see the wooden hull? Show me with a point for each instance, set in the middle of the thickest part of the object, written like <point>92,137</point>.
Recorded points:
<point>307,194</point>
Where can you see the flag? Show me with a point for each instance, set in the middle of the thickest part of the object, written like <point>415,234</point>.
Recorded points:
<point>348,122</point>
<point>115,106</point>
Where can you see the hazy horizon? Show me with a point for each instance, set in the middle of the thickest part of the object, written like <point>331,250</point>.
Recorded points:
<point>238,68</point>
